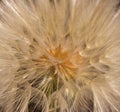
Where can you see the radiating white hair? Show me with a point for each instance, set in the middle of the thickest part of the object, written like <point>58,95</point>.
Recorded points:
<point>59,56</point>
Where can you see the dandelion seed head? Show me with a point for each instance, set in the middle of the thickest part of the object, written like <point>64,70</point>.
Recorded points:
<point>59,56</point>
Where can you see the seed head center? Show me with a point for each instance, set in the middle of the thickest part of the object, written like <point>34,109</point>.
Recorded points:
<point>65,62</point>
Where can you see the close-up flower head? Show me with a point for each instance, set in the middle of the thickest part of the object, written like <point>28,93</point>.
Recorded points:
<point>59,56</point>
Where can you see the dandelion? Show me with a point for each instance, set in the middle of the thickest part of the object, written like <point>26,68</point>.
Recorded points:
<point>59,56</point>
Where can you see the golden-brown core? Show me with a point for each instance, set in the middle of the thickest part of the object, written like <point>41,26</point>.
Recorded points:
<point>65,63</point>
